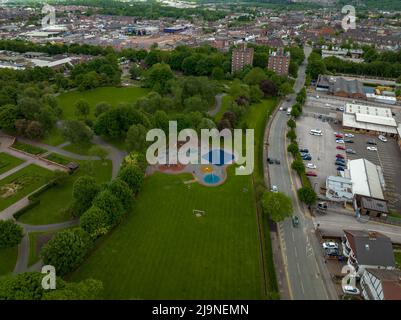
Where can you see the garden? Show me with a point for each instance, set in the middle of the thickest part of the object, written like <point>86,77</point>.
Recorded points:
<point>7,162</point>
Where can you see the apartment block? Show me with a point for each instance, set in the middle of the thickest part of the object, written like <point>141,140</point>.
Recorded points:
<point>279,62</point>
<point>241,57</point>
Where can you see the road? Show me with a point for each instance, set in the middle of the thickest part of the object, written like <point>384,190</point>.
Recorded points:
<point>307,277</point>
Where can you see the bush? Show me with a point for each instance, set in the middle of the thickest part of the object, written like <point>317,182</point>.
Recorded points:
<point>95,222</point>
<point>293,148</point>
<point>292,135</point>
<point>109,203</point>
<point>122,191</point>
<point>291,124</point>
<point>10,234</point>
<point>307,195</point>
<point>133,176</point>
<point>84,190</point>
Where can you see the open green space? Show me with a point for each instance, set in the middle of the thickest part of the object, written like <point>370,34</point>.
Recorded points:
<point>54,137</point>
<point>53,203</point>
<point>55,157</point>
<point>111,95</point>
<point>8,258</point>
<point>163,251</point>
<point>28,148</point>
<point>82,149</point>
<point>22,183</point>
<point>7,162</point>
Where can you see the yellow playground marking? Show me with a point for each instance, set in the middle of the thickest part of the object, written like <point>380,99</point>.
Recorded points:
<point>206,168</point>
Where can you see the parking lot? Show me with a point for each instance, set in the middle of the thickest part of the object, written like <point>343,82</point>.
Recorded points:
<point>388,157</point>
<point>322,148</point>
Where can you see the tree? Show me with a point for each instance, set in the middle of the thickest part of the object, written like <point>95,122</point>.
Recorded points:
<point>101,107</point>
<point>158,76</point>
<point>135,71</point>
<point>98,151</point>
<point>136,138</point>
<point>133,176</point>
<point>8,116</point>
<point>84,190</point>
<point>82,108</point>
<point>293,148</point>
<point>298,166</point>
<point>67,250</point>
<point>95,222</point>
<point>307,195</point>
<point>111,205</point>
<point>291,124</point>
<point>88,289</point>
<point>277,205</point>
<point>269,88</point>
<point>23,286</point>
<point>255,76</point>
<point>10,234</point>
<point>291,135</point>
<point>295,112</point>
<point>77,132</point>
<point>218,73</point>
<point>136,159</point>
<point>122,191</point>
<point>34,130</point>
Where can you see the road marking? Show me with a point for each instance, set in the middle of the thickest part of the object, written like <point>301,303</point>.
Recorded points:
<point>293,237</point>
<point>285,263</point>
<point>296,251</point>
<point>302,286</point>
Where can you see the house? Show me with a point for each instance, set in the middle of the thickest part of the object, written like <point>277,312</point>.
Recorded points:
<point>378,284</point>
<point>370,206</point>
<point>368,250</point>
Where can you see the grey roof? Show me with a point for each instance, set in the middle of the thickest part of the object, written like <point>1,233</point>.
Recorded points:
<point>374,204</point>
<point>349,86</point>
<point>371,248</point>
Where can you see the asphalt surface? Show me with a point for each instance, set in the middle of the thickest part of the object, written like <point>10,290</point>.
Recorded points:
<point>307,277</point>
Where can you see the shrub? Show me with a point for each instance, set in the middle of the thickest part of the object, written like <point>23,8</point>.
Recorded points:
<point>10,234</point>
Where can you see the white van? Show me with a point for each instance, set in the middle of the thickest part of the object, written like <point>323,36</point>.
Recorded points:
<point>289,111</point>
<point>316,132</point>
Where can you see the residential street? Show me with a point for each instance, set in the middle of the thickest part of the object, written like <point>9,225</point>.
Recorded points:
<point>306,274</point>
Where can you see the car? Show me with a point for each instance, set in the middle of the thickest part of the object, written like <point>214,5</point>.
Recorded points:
<point>295,221</point>
<point>322,205</point>
<point>339,168</point>
<point>338,135</point>
<point>351,151</point>
<point>339,163</point>
<point>317,97</point>
<point>310,166</point>
<point>349,141</point>
<point>371,148</point>
<point>351,290</point>
<point>340,148</point>
<point>311,174</point>
<point>340,156</point>
<point>307,157</point>
<point>274,189</point>
<point>382,138</point>
<point>336,132</point>
<point>339,140</point>
<point>332,252</point>
<point>330,245</point>
<point>281,108</point>
<point>270,160</point>
<point>340,109</point>
<point>349,135</point>
<point>277,161</point>
<point>304,150</point>
<point>372,142</point>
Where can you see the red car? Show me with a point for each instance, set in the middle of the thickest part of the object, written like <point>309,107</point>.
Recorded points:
<point>339,135</point>
<point>340,156</point>
<point>311,174</point>
<point>340,148</point>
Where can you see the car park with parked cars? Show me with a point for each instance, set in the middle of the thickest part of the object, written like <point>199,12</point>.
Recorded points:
<point>348,141</point>
<point>382,138</point>
<point>371,148</point>
<point>307,157</point>
<point>340,156</point>
<point>303,150</point>
<point>349,135</point>
<point>339,168</point>
<point>350,151</point>
<point>371,142</point>
<point>340,148</point>
<point>339,140</point>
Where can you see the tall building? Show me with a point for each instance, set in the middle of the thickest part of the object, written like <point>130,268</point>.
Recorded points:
<point>279,62</point>
<point>241,57</point>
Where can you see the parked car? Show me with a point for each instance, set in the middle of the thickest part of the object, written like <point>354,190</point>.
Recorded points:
<point>340,148</point>
<point>351,151</point>
<point>307,157</point>
<point>295,221</point>
<point>304,150</point>
<point>372,142</point>
<point>382,138</point>
<point>339,135</point>
<point>330,245</point>
<point>371,148</point>
<point>335,133</point>
<point>311,174</point>
<point>340,156</point>
<point>322,205</point>
<point>339,140</point>
<point>270,160</point>
<point>332,252</point>
<point>349,135</point>
<point>339,168</point>
<point>310,166</point>
<point>339,163</point>
<point>349,141</point>
<point>340,109</point>
<point>351,290</point>
<point>277,161</point>
<point>274,189</point>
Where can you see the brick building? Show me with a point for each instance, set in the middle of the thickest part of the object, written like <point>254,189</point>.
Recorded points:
<point>241,57</point>
<point>279,62</point>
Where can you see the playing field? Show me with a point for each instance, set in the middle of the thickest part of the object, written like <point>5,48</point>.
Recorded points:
<point>163,251</point>
<point>111,95</point>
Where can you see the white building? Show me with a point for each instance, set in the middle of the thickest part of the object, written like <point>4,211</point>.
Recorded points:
<point>339,188</point>
<point>369,119</point>
<point>381,98</point>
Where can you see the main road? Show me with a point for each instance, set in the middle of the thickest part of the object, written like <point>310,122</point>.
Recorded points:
<point>306,275</point>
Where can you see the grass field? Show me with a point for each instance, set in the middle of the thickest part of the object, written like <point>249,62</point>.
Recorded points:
<point>23,182</point>
<point>8,162</point>
<point>54,137</point>
<point>28,148</point>
<point>55,200</point>
<point>78,148</point>
<point>57,158</point>
<point>111,95</point>
<point>8,258</point>
<point>162,251</point>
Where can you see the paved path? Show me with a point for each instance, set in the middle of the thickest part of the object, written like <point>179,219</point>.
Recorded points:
<point>218,101</point>
<point>115,155</point>
<point>15,169</point>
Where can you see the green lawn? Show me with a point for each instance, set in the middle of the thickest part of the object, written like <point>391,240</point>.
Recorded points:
<point>397,255</point>
<point>28,148</point>
<point>55,200</point>
<point>23,182</point>
<point>55,157</point>
<point>54,138</point>
<point>8,258</point>
<point>79,148</point>
<point>111,95</point>
<point>162,251</point>
<point>7,162</point>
